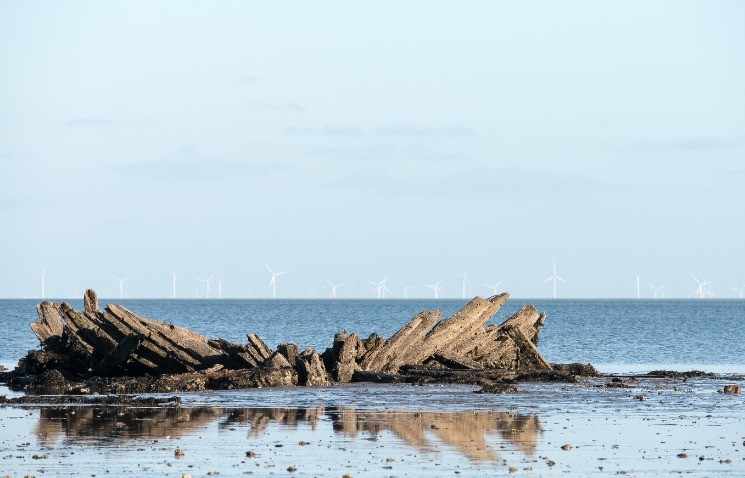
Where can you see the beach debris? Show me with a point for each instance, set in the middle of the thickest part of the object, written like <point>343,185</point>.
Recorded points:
<point>114,349</point>
<point>732,389</point>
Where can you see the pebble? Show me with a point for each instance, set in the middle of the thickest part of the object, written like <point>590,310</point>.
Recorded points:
<point>252,454</point>
<point>179,452</point>
<point>304,443</point>
<point>512,469</point>
<point>641,397</point>
<point>347,476</point>
<point>291,469</point>
<point>566,447</point>
<point>732,389</point>
<point>682,455</point>
<point>186,475</point>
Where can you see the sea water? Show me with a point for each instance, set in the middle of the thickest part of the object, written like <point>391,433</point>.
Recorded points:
<point>614,335</point>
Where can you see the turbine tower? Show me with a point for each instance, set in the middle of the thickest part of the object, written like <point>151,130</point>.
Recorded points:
<point>43,276</point>
<point>465,283</point>
<point>273,280</point>
<point>207,283</point>
<point>219,289</point>
<point>333,288</point>
<point>174,284</point>
<point>638,279</point>
<point>740,289</point>
<point>121,285</point>
<point>406,290</point>
<point>435,288</point>
<point>494,287</point>
<point>554,278</point>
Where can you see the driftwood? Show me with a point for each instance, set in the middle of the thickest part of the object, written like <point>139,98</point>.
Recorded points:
<point>116,342</point>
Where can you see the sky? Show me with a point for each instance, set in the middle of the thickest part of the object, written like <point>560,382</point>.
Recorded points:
<point>354,141</point>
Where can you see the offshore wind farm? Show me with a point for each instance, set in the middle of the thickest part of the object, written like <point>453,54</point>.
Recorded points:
<point>460,286</point>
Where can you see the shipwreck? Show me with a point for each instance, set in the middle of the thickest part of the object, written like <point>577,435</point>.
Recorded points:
<point>114,350</point>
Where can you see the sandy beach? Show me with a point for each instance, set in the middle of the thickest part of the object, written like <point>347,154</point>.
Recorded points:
<point>598,427</point>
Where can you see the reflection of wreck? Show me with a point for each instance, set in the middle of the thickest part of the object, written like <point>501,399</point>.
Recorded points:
<point>115,343</point>
<point>109,424</point>
<point>465,432</point>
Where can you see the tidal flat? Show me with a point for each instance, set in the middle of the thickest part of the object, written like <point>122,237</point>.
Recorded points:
<point>634,426</point>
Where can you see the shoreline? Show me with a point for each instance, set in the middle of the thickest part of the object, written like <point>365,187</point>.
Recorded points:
<point>393,430</point>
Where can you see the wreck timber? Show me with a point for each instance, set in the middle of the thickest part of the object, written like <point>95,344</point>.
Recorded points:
<point>115,342</point>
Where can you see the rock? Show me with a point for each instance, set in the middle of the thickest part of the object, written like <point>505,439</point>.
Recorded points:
<point>252,454</point>
<point>732,389</point>
<point>178,452</point>
<point>291,469</point>
<point>566,447</point>
<point>682,455</point>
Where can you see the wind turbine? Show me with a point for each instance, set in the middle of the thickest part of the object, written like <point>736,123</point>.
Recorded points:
<point>43,276</point>
<point>406,290</point>
<point>701,291</point>
<point>380,287</point>
<point>273,280</point>
<point>121,285</point>
<point>174,284</point>
<point>660,289</point>
<point>638,279</point>
<point>554,278</point>
<point>494,287</point>
<point>435,288</point>
<point>207,283</point>
<point>333,288</point>
<point>740,290</point>
<point>465,284</point>
<point>219,289</point>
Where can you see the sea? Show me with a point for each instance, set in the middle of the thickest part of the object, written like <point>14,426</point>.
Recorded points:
<point>616,336</point>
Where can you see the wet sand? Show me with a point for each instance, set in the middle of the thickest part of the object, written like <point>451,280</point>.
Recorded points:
<point>392,430</point>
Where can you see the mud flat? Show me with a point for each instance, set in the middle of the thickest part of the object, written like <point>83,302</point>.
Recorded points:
<point>594,427</point>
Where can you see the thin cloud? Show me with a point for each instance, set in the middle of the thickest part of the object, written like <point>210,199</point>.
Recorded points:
<point>387,152</point>
<point>348,132</point>
<point>93,122</point>
<point>417,131</point>
<point>290,106</point>
<point>688,145</point>
<point>202,169</point>
<point>248,79</point>
<point>514,182</point>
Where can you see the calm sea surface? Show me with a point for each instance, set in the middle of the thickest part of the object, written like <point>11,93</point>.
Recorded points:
<point>614,335</point>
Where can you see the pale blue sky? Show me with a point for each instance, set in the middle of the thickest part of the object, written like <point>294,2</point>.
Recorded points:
<point>357,140</point>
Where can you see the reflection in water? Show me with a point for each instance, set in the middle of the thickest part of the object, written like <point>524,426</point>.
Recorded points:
<point>465,432</point>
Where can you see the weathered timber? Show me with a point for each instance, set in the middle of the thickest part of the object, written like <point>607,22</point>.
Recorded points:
<point>117,342</point>
<point>90,301</point>
<point>311,370</point>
